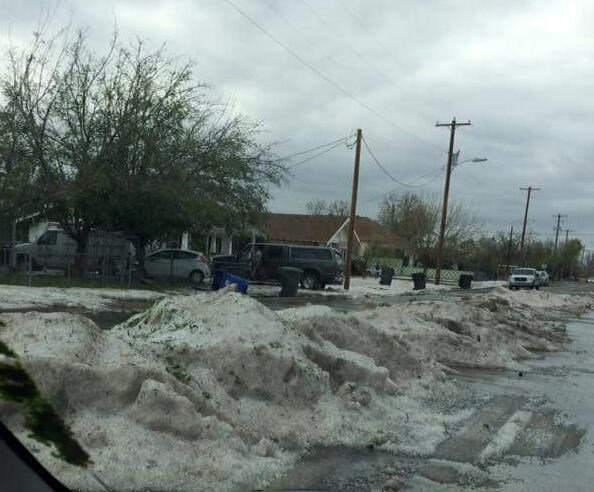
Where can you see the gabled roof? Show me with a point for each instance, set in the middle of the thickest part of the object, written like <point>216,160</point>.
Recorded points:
<point>320,228</point>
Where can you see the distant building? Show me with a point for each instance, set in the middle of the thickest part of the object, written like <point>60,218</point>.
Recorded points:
<point>314,230</point>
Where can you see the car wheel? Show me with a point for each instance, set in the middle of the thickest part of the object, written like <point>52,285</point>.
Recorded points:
<point>532,287</point>
<point>538,287</point>
<point>196,277</point>
<point>309,280</point>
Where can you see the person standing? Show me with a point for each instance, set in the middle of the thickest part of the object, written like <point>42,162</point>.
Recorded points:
<point>256,263</point>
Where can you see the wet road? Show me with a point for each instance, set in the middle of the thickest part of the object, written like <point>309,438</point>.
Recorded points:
<point>531,432</point>
<point>346,303</point>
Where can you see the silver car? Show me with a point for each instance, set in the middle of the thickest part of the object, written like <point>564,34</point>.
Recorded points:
<point>526,278</point>
<point>178,263</point>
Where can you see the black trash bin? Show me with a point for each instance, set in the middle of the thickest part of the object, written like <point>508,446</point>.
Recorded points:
<point>290,278</point>
<point>419,281</point>
<point>386,276</point>
<point>465,281</point>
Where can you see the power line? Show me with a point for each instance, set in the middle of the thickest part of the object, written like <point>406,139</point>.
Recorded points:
<point>385,171</point>
<point>295,28</point>
<point>327,79</point>
<point>350,46</point>
<point>370,33</point>
<point>315,155</point>
<point>307,151</point>
<point>438,171</point>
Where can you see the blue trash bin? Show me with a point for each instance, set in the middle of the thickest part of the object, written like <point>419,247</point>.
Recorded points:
<point>242,283</point>
<point>221,279</point>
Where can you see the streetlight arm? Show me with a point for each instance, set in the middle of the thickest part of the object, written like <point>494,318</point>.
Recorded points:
<point>474,159</point>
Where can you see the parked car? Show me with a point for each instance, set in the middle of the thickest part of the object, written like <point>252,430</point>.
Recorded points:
<point>543,278</point>
<point>320,265</point>
<point>526,278</point>
<point>177,263</point>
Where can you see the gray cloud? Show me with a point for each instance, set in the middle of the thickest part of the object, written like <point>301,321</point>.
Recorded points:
<point>521,71</point>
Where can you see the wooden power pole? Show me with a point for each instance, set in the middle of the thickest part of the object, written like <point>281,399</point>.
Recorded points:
<point>509,248</point>
<point>530,189</point>
<point>557,229</point>
<point>446,192</point>
<point>350,239</point>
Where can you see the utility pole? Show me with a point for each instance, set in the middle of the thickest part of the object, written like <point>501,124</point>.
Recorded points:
<point>557,229</point>
<point>446,192</point>
<point>530,189</point>
<point>567,231</point>
<point>509,248</point>
<point>349,251</point>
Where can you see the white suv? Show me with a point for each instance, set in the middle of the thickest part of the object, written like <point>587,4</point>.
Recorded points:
<point>526,278</point>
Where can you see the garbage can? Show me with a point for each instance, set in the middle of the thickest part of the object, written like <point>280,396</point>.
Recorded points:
<point>419,281</point>
<point>218,280</point>
<point>465,281</point>
<point>221,279</point>
<point>386,276</point>
<point>290,278</point>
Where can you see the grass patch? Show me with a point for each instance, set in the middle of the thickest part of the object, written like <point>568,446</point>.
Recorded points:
<point>45,424</point>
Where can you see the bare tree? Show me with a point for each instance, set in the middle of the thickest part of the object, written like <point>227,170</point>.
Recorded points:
<point>340,208</point>
<point>316,207</point>
<point>415,219</point>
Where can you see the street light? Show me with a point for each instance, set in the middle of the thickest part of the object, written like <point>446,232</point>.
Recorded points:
<point>452,163</point>
<point>474,159</point>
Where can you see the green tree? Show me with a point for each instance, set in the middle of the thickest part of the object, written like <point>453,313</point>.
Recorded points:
<point>129,141</point>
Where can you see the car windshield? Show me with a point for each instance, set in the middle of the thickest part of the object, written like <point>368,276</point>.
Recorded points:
<point>275,245</point>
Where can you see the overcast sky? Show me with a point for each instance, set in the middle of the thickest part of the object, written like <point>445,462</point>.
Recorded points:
<point>521,71</point>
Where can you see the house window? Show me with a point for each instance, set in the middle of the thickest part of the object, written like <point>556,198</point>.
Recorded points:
<point>218,244</point>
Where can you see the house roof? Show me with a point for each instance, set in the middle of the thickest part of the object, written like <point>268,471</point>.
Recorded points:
<point>320,228</point>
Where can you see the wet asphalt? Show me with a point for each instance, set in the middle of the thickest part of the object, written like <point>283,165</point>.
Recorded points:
<point>532,431</point>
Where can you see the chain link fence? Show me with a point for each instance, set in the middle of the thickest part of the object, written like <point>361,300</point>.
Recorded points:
<point>66,270</point>
<point>447,275</point>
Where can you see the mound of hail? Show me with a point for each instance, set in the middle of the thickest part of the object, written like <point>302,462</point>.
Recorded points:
<point>217,392</point>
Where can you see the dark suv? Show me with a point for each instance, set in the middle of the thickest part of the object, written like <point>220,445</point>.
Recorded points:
<point>320,265</point>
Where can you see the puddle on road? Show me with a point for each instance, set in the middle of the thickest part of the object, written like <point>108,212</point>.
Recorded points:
<point>523,415</point>
<point>345,469</point>
<point>546,437</point>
